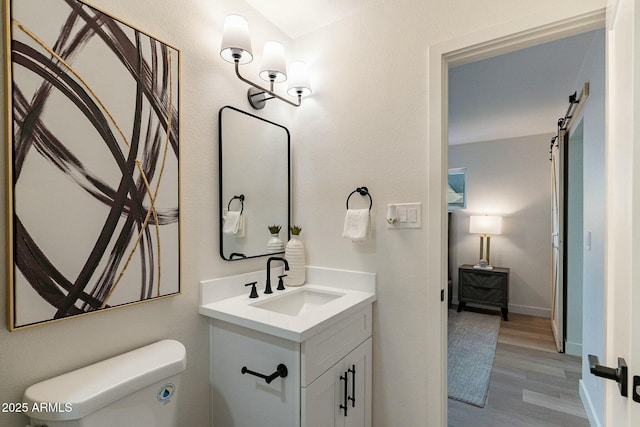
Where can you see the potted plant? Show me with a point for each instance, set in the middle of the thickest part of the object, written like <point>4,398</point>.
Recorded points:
<point>274,229</point>
<point>275,244</point>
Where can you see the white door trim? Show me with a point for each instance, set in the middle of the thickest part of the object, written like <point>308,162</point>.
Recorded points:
<point>622,246</point>
<point>565,20</point>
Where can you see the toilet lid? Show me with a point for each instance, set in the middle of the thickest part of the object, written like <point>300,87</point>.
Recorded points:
<point>76,394</point>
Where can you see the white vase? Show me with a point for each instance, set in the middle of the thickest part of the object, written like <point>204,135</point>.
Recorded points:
<point>295,256</point>
<point>275,244</point>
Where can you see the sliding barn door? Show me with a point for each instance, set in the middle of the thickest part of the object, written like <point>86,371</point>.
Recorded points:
<point>558,241</point>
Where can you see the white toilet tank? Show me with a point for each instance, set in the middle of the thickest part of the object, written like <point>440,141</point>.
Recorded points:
<point>135,389</point>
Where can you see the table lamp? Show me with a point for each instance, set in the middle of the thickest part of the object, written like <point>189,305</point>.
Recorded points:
<point>485,225</point>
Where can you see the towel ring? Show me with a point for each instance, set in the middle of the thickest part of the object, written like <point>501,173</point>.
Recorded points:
<point>363,191</point>
<point>241,198</point>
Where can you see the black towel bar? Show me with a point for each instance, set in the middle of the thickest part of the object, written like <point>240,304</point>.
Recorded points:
<point>363,191</point>
<point>281,372</point>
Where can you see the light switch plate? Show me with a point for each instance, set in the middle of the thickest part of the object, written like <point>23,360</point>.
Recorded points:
<point>409,215</point>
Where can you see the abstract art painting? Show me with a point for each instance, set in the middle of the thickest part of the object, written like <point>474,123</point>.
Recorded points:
<point>93,162</point>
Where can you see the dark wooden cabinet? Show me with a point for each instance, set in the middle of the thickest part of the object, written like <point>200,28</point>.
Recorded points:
<point>481,286</point>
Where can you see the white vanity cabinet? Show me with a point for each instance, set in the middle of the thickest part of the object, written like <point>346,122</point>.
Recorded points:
<point>244,400</point>
<point>312,394</point>
<point>342,395</point>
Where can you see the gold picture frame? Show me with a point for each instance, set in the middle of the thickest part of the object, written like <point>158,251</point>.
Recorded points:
<point>93,174</point>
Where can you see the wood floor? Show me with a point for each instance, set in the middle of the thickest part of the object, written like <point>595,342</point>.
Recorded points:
<point>531,384</point>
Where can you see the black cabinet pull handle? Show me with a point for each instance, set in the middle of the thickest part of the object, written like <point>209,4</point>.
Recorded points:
<point>618,375</point>
<point>352,398</point>
<point>281,371</point>
<point>345,378</point>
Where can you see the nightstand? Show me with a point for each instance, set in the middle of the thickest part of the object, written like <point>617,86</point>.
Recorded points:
<point>480,286</point>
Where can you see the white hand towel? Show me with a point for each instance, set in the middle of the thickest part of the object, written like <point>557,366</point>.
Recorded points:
<point>232,222</point>
<point>242,225</point>
<point>356,224</point>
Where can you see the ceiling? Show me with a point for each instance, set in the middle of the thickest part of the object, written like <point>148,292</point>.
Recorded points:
<point>516,94</point>
<point>298,17</point>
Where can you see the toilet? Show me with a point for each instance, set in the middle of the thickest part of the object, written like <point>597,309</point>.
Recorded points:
<point>134,389</point>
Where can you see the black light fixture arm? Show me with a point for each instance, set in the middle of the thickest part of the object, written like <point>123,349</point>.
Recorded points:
<point>264,90</point>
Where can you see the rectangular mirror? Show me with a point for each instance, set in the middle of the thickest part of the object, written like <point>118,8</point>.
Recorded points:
<point>254,184</point>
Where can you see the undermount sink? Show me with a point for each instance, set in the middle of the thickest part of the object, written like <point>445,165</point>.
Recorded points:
<point>297,302</point>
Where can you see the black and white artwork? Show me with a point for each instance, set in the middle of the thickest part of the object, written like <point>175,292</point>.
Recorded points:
<point>94,170</point>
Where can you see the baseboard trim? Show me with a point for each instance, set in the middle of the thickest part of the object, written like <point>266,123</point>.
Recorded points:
<point>530,311</point>
<point>519,309</point>
<point>588,406</point>
<point>573,348</point>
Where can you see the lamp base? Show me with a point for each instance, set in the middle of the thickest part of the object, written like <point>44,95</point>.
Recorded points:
<point>483,264</point>
<point>486,267</point>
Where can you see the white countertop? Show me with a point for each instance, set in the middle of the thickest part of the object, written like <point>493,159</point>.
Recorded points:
<point>239,310</point>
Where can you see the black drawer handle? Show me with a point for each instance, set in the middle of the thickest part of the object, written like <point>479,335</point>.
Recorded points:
<point>281,371</point>
<point>345,378</point>
<point>352,398</point>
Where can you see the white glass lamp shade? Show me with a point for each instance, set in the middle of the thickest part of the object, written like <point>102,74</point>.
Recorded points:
<point>274,66</point>
<point>486,224</point>
<point>235,40</point>
<point>299,79</point>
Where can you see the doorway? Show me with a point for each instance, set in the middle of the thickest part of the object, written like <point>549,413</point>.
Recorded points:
<point>464,50</point>
<point>511,176</point>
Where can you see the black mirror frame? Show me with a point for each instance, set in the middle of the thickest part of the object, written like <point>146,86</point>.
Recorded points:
<point>222,202</point>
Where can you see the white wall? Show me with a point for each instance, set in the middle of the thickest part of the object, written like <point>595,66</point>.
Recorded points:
<point>593,294</point>
<point>366,124</point>
<point>206,84</point>
<point>510,178</point>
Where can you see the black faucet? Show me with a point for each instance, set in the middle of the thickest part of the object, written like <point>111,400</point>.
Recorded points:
<point>267,288</point>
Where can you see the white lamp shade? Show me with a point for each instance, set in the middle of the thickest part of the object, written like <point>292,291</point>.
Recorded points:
<point>273,62</point>
<point>299,79</point>
<point>486,224</point>
<point>236,40</point>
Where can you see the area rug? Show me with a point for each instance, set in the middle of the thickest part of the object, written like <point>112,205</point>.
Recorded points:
<point>472,340</point>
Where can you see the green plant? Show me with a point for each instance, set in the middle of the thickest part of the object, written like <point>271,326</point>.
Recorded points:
<point>295,230</point>
<point>274,229</point>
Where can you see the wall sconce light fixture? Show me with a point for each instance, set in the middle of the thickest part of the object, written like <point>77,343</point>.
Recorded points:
<point>485,225</point>
<point>236,48</point>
